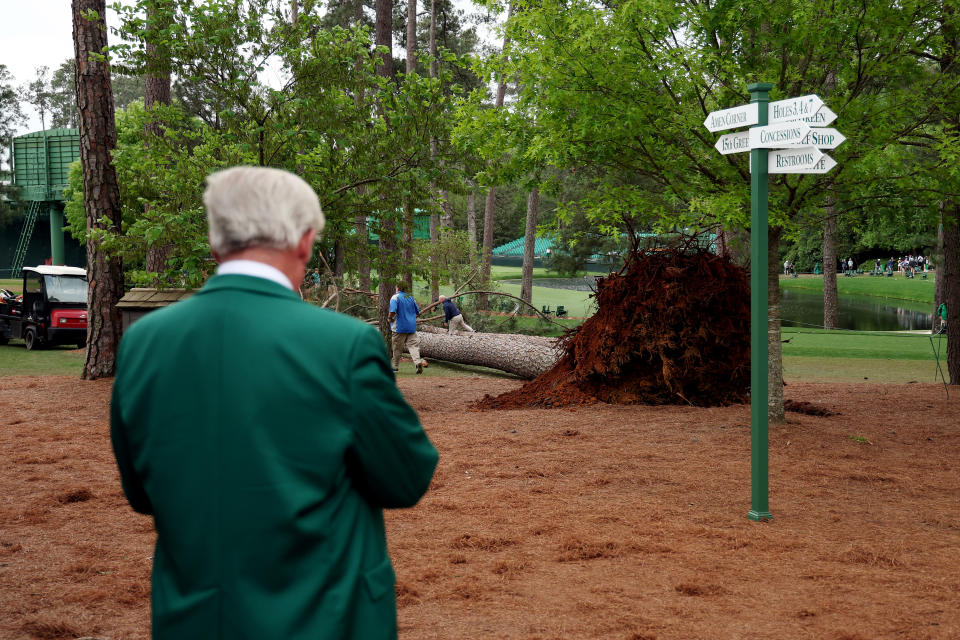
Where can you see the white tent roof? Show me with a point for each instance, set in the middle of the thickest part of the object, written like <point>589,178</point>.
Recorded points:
<point>57,271</point>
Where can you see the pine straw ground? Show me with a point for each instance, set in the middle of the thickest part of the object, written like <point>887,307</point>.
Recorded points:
<point>597,522</point>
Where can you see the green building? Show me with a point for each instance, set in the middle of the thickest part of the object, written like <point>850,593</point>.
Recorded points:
<point>40,165</point>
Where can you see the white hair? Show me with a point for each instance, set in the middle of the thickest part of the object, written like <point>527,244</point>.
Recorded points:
<point>259,207</point>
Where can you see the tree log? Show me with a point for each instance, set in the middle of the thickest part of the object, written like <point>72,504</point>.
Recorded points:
<point>523,356</point>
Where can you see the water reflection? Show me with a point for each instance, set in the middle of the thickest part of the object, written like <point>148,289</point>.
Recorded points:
<point>805,309</point>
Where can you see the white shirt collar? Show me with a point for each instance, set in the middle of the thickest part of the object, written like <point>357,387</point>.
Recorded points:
<point>255,269</point>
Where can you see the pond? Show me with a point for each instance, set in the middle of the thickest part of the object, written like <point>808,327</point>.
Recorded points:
<point>857,313</point>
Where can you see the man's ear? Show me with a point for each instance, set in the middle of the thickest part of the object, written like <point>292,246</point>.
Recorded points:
<point>305,245</point>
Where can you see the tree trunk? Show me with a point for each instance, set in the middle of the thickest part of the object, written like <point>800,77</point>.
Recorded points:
<point>488,211</point>
<point>951,219</point>
<point>434,217</point>
<point>101,195</point>
<point>940,282</point>
<point>523,356</point>
<point>406,251</point>
<point>486,256</point>
<point>411,36</point>
<point>775,354</point>
<point>409,217</point>
<point>339,259</point>
<point>951,277</point>
<point>383,36</point>
<point>156,92</point>
<point>446,219</point>
<point>529,244</point>
<point>472,221</point>
<point>363,258</point>
<point>831,314</point>
<point>435,256</point>
<point>388,227</point>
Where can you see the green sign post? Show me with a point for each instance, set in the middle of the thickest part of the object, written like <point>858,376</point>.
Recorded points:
<point>759,349</point>
<point>793,129</point>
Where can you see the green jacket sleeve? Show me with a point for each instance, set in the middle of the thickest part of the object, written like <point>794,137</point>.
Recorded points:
<point>393,458</point>
<point>132,487</point>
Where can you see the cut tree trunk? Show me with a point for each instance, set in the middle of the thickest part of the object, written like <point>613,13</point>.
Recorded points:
<point>523,356</point>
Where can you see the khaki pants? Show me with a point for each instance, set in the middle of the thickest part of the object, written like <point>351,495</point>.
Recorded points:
<point>457,324</point>
<point>412,343</point>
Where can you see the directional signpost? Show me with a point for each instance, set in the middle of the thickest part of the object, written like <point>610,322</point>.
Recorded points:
<point>787,138</point>
<point>742,116</point>
<point>775,136</point>
<point>822,166</point>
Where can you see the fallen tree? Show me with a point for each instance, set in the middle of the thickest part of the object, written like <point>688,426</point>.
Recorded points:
<point>521,355</point>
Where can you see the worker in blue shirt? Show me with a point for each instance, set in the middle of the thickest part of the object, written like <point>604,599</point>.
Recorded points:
<point>403,320</point>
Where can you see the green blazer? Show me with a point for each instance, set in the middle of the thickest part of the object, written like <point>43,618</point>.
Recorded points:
<point>265,436</point>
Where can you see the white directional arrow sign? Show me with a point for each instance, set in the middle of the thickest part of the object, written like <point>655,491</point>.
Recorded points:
<point>743,116</point>
<point>793,109</point>
<point>821,118</point>
<point>792,160</point>
<point>820,137</point>
<point>825,164</point>
<point>778,135</point>
<point>733,142</point>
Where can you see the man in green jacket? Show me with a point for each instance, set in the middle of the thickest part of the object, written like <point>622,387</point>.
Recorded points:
<point>265,436</point>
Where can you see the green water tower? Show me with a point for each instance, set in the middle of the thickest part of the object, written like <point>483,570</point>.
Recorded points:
<point>41,166</point>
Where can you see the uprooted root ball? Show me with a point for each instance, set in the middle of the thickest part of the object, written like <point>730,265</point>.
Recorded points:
<point>673,327</point>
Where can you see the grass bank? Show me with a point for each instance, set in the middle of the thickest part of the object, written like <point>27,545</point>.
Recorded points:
<point>896,288</point>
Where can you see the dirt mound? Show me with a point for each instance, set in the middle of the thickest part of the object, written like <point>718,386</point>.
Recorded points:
<point>672,327</point>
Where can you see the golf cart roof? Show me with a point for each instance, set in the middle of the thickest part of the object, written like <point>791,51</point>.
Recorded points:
<point>57,271</point>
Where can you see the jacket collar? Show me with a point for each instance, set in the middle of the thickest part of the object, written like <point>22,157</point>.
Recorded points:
<point>252,284</point>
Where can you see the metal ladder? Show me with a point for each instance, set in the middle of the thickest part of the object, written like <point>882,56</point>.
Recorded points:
<point>25,235</point>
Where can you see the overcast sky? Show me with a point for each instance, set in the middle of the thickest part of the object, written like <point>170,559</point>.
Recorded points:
<point>35,33</point>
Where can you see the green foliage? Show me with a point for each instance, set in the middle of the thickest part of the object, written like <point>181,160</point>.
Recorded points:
<point>452,252</point>
<point>11,116</point>
<point>362,142</point>
<point>618,93</point>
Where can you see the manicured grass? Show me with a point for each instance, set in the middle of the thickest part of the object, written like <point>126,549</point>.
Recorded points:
<point>15,360</point>
<point>578,304</point>
<point>498,272</point>
<point>896,288</point>
<point>12,285</point>
<point>898,357</point>
<point>881,345</point>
